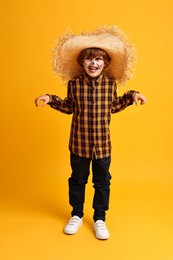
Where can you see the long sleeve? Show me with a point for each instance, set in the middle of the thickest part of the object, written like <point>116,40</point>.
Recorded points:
<point>65,105</point>
<point>120,103</point>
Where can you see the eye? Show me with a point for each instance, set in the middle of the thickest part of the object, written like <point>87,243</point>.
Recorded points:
<point>99,58</point>
<point>87,58</point>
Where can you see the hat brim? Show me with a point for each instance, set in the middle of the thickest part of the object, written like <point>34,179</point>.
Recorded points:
<point>111,40</point>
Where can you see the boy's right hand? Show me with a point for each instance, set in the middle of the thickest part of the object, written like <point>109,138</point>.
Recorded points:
<point>44,98</point>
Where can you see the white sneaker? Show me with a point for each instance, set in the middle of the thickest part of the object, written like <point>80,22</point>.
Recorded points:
<point>73,225</point>
<point>100,229</point>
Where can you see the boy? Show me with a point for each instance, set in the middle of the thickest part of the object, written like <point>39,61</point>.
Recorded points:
<point>96,62</point>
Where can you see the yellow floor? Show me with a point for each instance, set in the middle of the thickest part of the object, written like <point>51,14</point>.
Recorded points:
<point>140,221</point>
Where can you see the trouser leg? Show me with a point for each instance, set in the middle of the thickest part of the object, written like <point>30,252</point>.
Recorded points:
<point>101,180</point>
<point>77,182</point>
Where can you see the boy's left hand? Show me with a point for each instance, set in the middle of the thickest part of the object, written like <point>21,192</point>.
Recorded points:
<point>141,98</point>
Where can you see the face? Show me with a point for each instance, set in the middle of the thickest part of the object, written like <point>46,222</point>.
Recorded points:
<point>93,66</point>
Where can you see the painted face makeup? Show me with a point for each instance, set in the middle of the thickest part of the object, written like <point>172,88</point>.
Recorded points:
<point>93,66</point>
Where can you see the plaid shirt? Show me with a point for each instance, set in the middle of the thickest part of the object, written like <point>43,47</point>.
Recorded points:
<point>91,101</point>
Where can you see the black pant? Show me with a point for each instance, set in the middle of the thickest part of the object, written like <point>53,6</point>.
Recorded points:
<point>101,180</point>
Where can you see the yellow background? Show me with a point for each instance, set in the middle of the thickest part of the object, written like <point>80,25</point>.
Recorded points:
<point>34,141</point>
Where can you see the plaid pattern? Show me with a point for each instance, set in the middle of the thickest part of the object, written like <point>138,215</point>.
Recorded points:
<point>91,101</point>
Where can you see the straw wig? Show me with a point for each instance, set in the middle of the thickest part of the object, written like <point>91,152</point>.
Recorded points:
<point>110,39</point>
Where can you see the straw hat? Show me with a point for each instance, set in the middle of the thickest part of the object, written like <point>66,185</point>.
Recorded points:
<point>110,39</point>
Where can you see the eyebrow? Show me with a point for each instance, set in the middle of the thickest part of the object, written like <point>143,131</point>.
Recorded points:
<point>94,57</point>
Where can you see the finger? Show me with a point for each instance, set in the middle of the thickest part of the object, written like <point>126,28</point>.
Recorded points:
<point>37,102</point>
<point>44,103</point>
<point>143,101</point>
<point>136,101</point>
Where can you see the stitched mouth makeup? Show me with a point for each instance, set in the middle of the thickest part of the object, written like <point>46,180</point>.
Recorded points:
<point>93,66</point>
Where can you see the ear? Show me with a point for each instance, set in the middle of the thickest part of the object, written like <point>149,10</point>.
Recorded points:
<point>106,64</point>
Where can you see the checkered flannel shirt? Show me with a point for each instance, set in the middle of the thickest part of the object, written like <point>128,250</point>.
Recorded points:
<point>91,101</point>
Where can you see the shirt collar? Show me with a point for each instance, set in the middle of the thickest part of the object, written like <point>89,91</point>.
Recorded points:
<point>89,79</point>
